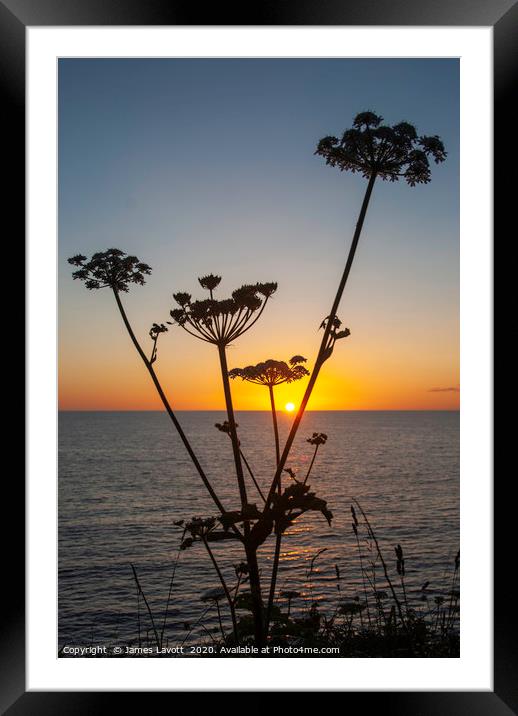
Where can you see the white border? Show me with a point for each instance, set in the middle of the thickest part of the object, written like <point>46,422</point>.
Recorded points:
<point>473,671</point>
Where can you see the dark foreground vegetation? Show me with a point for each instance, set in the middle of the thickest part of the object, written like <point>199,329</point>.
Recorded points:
<point>383,619</point>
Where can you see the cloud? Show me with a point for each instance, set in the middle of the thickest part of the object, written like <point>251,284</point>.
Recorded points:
<point>444,390</point>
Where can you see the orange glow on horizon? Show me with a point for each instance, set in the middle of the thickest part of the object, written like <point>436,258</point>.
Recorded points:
<point>93,385</point>
<point>380,367</point>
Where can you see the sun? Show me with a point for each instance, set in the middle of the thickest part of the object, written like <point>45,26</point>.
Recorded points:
<point>289,407</point>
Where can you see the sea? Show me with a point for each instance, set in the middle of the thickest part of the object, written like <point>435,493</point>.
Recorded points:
<point>126,481</point>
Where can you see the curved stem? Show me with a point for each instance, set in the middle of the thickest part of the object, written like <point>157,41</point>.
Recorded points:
<point>263,498</point>
<point>171,582</point>
<point>275,429</point>
<point>167,405</point>
<point>273,579</point>
<point>200,338</point>
<point>311,463</point>
<point>135,576</point>
<point>383,564</point>
<point>321,357</point>
<point>241,332</point>
<point>250,550</point>
<point>224,585</point>
<point>232,425</point>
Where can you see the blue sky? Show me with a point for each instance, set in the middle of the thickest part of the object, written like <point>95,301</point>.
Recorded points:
<point>208,165</point>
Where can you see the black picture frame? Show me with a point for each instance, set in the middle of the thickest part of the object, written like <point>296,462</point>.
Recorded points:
<point>15,16</point>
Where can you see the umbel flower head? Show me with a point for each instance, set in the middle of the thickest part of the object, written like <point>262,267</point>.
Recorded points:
<point>224,427</point>
<point>210,282</point>
<point>272,372</point>
<point>109,269</point>
<point>334,335</point>
<point>373,148</point>
<point>154,332</point>
<point>317,439</point>
<point>221,322</point>
<point>156,329</point>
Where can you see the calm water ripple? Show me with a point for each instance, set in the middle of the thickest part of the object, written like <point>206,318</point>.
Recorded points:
<point>124,478</point>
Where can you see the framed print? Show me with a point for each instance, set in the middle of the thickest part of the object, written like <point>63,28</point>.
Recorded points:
<point>259,321</point>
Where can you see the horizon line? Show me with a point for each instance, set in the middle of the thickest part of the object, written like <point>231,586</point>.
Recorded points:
<point>261,410</point>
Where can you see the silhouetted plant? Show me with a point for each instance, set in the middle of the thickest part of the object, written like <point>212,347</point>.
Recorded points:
<point>224,427</point>
<point>205,530</point>
<point>317,439</point>
<point>221,323</point>
<point>115,270</point>
<point>109,269</point>
<point>155,331</point>
<point>391,153</point>
<point>400,568</point>
<point>373,537</point>
<point>271,373</point>
<point>374,150</point>
<point>355,525</point>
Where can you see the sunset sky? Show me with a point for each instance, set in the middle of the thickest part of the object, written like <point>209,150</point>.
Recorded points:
<point>200,166</point>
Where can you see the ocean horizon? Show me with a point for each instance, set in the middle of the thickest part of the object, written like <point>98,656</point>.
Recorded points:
<point>125,479</point>
<point>260,410</point>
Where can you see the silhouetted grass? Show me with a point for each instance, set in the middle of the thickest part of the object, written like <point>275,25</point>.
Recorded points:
<point>380,620</point>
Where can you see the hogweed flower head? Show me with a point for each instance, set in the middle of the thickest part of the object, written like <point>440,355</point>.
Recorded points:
<point>224,427</point>
<point>155,330</point>
<point>272,372</point>
<point>390,152</point>
<point>112,268</point>
<point>210,282</point>
<point>334,335</point>
<point>221,321</point>
<point>317,439</point>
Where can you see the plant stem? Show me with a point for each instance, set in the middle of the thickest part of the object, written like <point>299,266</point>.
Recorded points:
<point>311,463</point>
<point>257,600</point>
<point>320,357</point>
<point>278,537</point>
<point>171,582</point>
<point>147,606</point>
<point>138,617</point>
<point>232,425</point>
<point>318,364</point>
<point>225,588</point>
<point>250,550</point>
<point>404,593</point>
<point>275,429</point>
<point>273,579</point>
<point>389,582</point>
<point>219,619</point>
<point>363,579</point>
<point>166,404</point>
<point>263,498</point>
